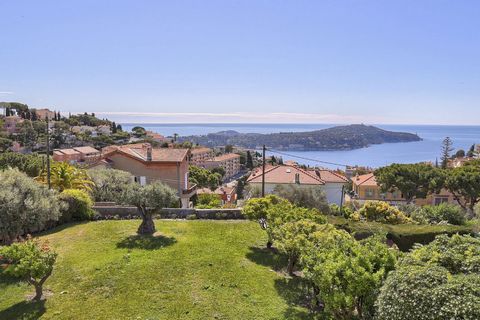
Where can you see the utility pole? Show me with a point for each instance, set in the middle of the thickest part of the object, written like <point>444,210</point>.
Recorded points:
<point>263,172</point>
<point>48,155</point>
<point>341,200</point>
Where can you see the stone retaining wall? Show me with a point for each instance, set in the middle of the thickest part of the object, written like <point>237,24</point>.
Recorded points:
<point>107,210</point>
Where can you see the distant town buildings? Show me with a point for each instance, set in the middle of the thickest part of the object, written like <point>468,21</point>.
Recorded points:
<point>230,162</point>
<point>42,114</point>
<point>11,124</point>
<point>86,155</point>
<point>200,155</point>
<point>227,194</point>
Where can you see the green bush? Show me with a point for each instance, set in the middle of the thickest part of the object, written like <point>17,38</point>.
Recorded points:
<point>208,201</point>
<point>79,205</point>
<point>444,212</point>
<point>380,211</point>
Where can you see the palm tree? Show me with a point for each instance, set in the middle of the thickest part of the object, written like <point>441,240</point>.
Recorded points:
<point>65,176</point>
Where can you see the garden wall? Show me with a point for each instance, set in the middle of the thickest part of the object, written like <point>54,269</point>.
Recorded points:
<point>110,209</point>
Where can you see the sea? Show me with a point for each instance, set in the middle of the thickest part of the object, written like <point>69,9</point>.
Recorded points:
<point>374,156</point>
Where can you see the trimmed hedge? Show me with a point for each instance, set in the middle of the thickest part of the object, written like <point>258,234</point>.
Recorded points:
<point>79,206</point>
<point>404,235</point>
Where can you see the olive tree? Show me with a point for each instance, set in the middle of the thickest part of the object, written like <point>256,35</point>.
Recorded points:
<point>109,184</point>
<point>303,196</point>
<point>30,261</point>
<point>148,199</point>
<point>25,206</point>
<point>272,212</point>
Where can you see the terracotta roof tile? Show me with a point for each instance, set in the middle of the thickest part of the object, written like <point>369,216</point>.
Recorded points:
<point>365,180</point>
<point>285,174</point>
<point>139,151</point>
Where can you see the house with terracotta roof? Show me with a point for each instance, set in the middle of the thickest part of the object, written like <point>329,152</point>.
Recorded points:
<point>230,162</point>
<point>44,113</point>
<point>227,193</point>
<point>148,165</point>
<point>365,187</point>
<point>156,137</point>
<point>77,155</point>
<point>11,124</point>
<point>330,182</point>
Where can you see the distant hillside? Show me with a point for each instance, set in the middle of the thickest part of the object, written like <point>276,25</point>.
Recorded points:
<point>335,138</point>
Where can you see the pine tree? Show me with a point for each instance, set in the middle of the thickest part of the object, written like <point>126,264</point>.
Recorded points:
<point>114,127</point>
<point>447,148</point>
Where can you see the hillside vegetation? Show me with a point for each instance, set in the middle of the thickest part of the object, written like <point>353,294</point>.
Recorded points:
<point>335,138</point>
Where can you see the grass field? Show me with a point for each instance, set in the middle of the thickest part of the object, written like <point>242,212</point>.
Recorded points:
<point>193,270</point>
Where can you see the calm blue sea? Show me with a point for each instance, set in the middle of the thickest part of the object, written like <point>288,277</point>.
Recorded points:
<point>374,156</point>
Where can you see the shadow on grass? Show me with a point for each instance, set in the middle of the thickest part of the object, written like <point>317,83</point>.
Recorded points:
<point>267,257</point>
<point>25,310</point>
<point>146,242</point>
<point>293,290</point>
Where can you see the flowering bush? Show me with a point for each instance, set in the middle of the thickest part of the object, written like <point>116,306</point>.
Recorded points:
<point>380,211</point>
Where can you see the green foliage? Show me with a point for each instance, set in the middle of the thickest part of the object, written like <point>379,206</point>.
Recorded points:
<point>204,178</point>
<point>412,180</point>
<point>442,213</point>
<point>380,211</point>
<point>79,205</point>
<point>438,281</point>
<point>29,261</point>
<point>218,170</point>
<point>139,132</point>
<point>272,212</point>
<point>65,176</point>
<point>292,237</point>
<point>5,143</point>
<point>249,160</point>
<point>208,201</point>
<point>25,206</point>
<point>464,183</point>
<point>303,196</point>
<point>109,184</point>
<point>85,120</point>
<point>31,164</point>
<point>347,274</point>
<point>147,199</point>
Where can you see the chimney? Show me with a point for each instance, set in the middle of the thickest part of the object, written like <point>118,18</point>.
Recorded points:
<point>297,178</point>
<point>149,152</point>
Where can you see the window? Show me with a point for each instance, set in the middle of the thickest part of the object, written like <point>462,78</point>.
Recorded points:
<point>369,193</point>
<point>440,200</point>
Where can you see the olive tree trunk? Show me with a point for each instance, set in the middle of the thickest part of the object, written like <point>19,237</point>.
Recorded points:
<point>147,226</point>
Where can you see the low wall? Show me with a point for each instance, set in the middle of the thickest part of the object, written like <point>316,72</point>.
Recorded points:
<point>109,210</point>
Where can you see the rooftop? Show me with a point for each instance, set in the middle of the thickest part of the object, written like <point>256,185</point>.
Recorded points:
<point>139,152</point>
<point>200,150</point>
<point>365,180</point>
<point>227,156</point>
<point>284,174</point>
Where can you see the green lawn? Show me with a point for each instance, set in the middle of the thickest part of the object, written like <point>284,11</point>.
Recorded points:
<point>194,270</point>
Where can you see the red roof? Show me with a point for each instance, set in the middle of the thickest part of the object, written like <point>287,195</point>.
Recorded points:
<point>365,180</point>
<point>329,176</point>
<point>284,174</point>
<point>139,152</point>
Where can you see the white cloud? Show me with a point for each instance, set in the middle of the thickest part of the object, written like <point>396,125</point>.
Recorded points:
<point>6,93</point>
<point>235,117</point>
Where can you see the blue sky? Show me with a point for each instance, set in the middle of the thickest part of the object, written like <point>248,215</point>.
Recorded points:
<point>414,61</point>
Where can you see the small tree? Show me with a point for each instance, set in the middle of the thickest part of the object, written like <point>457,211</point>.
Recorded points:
<point>109,184</point>
<point>147,199</point>
<point>307,197</point>
<point>292,237</point>
<point>30,261</point>
<point>447,148</point>
<point>464,183</point>
<point>65,176</point>
<point>25,206</point>
<point>412,180</point>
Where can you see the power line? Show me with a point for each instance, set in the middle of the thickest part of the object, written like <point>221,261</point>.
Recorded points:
<point>308,159</point>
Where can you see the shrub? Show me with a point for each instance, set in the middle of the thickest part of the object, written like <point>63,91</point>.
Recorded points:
<point>25,206</point>
<point>208,201</point>
<point>437,281</point>
<point>313,198</point>
<point>109,184</point>
<point>29,261</point>
<point>79,205</point>
<point>444,212</point>
<point>346,274</point>
<point>380,211</point>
